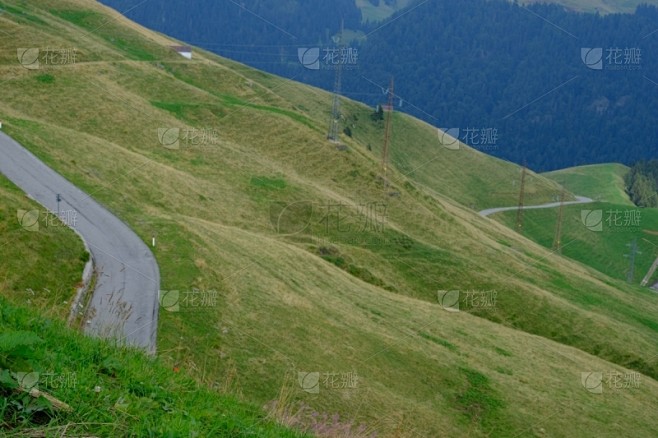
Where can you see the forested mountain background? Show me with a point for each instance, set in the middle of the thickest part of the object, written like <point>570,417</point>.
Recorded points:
<point>514,81</point>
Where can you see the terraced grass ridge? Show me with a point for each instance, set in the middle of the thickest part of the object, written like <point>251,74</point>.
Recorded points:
<point>310,283</point>
<point>600,182</point>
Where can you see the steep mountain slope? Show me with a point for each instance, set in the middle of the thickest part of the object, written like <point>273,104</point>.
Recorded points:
<point>105,386</point>
<point>25,280</point>
<point>602,234</point>
<point>291,255</point>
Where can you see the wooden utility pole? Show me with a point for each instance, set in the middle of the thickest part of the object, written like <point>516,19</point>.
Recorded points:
<point>557,240</point>
<point>387,132</point>
<point>334,126</point>
<point>519,212</point>
<point>652,270</point>
<point>631,258</point>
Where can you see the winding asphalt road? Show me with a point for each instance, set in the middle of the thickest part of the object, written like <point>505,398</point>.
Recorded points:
<point>124,305</point>
<point>579,200</point>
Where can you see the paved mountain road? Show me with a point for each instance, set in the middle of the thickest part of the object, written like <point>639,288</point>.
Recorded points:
<point>579,200</point>
<point>125,300</point>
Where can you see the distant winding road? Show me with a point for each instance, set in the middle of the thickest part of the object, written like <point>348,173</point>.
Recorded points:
<point>579,200</point>
<point>125,300</point>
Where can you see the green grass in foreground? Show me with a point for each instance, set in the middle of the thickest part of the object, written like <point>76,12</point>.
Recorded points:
<point>137,396</point>
<point>112,391</point>
<point>40,267</point>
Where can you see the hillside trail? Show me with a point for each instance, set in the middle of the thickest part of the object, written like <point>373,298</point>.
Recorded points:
<point>579,200</point>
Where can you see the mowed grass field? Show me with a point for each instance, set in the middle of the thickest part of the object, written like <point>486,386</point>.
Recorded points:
<point>600,182</point>
<point>293,256</point>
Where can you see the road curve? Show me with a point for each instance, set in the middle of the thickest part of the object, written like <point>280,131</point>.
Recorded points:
<point>124,305</point>
<point>579,200</point>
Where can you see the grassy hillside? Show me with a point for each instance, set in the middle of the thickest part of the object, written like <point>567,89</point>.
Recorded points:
<point>601,182</point>
<point>30,237</point>
<point>382,10</point>
<point>293,256</point>
<point>110,391</point>
<point>607,250</point>
<point>41,265</point>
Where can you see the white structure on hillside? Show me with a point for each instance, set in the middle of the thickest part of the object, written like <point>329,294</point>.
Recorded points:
<point>184,51</point>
